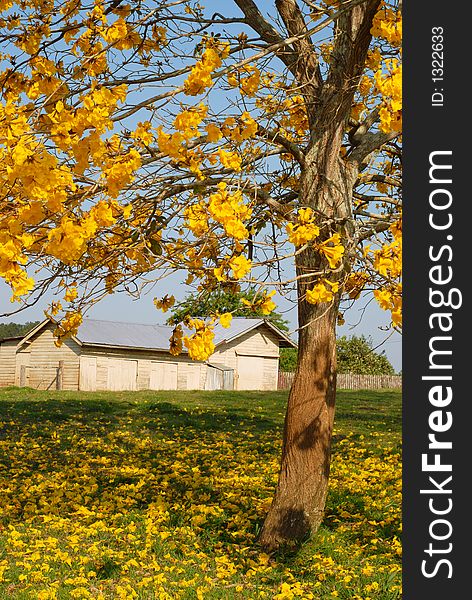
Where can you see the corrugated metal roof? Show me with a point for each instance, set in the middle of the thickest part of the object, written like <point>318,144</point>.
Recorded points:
<point>151,337</point>
<point>128,335</point>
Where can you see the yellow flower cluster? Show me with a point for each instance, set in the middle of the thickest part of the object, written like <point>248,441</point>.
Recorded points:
<point>13,244</point>
<point>68,241</point>
<point>119,171</point>
<point>225,320</point>
<point>124,37</point>
<point>230,160</point>
<point>143,134</point>
<point>187,121</point>
<point>69,325</point>
<point>355,283</point>
<point>196,218</point>
<point>239,130</point>
<point>175,144</point>
<point>240,266</point>
<point>71,293</point>
<point>200,345</point>
<point>304,229</point>
<point>388,259</point>
<point>297,119</point>
<point>200,76</point>
<point>176,345</point>
<point>248,78</point>
<point>390,86</point>
<point>230,211</point>
<point>332,250</point>
<point>322,292</point>
<point>265,304</point>
<point>387,24</point>
<point>390,298</point>
<point>164,303</point>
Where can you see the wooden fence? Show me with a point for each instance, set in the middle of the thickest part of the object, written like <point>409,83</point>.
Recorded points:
<point>350,381</point>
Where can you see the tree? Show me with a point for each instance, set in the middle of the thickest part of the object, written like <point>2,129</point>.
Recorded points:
<point>14,329</point>
<point>263,149</point>
<point>356,355</point>
<point>288,359</point>
<point>225,302</point>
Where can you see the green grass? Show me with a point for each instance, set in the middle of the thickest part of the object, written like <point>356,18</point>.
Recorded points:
<point>162,494</point>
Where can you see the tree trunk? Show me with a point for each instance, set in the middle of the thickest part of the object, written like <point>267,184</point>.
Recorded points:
<point>298,506</point>
<point>326,185</point>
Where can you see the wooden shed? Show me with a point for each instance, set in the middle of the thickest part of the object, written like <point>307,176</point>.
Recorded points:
<point>106,355</point>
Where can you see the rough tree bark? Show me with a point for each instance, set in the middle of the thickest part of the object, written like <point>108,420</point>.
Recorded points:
<point>326,185</point>
<point>298,506</point>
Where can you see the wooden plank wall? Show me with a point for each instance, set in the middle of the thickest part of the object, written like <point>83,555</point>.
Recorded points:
<point>189,372</point>
<point>258,342</point>
<point>7,362</point>
<point>43,361</point>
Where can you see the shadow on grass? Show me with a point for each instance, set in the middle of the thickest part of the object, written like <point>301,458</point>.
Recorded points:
<point>92,416</point>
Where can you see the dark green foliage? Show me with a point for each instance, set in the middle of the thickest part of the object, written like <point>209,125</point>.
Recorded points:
<point>13,329</point>
<point>355,355</point>
<point>288,359</point>
<point>222,301</point>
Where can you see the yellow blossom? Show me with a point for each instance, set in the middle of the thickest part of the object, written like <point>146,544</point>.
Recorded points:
<point>225,320</point>
<point>240,266</point>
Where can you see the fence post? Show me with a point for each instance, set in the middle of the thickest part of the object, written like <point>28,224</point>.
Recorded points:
<point>59,375</point>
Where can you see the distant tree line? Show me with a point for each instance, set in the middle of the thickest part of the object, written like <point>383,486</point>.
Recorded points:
<point>13,329</point>
<point>355,355</point>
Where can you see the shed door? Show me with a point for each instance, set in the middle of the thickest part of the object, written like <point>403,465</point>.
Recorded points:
<point>122,374</point>
<point>22,369</point>
<point>193,377</point>
<point>214,378</point>
<point>250,372</point>
<point>88,373</point>
<point>163,376</point>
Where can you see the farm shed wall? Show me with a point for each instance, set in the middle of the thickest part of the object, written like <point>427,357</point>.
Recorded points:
<point>38,360</point>
<point>254,356</point>
<point>7,362</point>
<point>114,369</point>
<point>247,356</point>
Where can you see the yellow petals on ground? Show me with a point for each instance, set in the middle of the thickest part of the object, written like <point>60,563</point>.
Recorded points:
<point>160,495</point>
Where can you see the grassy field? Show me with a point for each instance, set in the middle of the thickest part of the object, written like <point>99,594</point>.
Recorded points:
<point>161,495</point>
